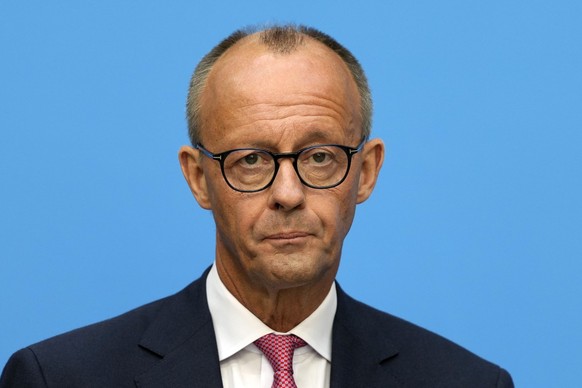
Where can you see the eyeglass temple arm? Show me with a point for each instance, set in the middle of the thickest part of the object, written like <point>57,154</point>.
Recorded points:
<point>201,148</point>
<point>359,147</point>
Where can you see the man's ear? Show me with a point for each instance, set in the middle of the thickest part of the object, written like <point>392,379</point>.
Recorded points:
<point>373,156</point>
<point>192,170</point>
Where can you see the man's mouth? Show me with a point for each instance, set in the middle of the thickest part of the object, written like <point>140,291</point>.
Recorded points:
<point>287,236</point>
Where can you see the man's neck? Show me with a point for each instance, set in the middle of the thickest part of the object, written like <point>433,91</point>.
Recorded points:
<point>279,308</point>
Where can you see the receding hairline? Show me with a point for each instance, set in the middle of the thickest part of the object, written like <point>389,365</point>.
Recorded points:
<point>265,43</point>
<point>280,40</point>
<point>254,45</point>
<point>283,39</point>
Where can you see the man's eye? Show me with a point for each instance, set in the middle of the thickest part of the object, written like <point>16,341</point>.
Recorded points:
<point>319,157</point>
<point>251,159</point>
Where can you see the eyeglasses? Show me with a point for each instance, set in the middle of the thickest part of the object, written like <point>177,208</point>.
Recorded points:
<point>252,169</point>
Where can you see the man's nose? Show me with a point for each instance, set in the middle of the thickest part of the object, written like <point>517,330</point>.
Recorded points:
<point>287,192</point>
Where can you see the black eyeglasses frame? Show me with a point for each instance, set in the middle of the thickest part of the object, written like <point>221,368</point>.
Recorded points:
<point>220,157</point>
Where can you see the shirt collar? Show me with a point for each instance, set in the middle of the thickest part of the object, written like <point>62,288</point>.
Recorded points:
<point>236,327</point>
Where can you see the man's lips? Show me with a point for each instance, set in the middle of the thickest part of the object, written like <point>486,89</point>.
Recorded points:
<point>287,235</point>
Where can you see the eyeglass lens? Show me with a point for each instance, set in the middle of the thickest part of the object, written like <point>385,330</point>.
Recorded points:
<point>252,169</point>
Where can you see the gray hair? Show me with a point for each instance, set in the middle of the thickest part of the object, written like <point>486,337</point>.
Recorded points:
<point>282,39</point>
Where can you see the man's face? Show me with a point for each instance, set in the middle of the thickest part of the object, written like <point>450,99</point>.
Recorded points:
<point>287,235</point>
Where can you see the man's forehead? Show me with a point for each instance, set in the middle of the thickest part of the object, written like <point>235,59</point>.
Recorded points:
<point>253,82</point>
<point>251,69</point>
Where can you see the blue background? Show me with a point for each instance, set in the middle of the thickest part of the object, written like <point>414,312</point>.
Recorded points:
<point>474,230</point>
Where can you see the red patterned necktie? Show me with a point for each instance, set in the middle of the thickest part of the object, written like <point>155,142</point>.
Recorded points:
<point>279,351</point>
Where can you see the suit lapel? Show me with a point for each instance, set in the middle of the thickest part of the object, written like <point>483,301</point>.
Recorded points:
<point>361,351</point>
<point>182,336</point>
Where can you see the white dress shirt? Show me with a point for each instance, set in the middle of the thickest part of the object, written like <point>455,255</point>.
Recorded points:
<point>242,364</point>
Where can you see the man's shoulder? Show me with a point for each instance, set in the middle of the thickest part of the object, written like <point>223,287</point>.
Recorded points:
<point>126,327</point>
<point>118,345</point>
<point>413,353</point>
<point>401,332</point>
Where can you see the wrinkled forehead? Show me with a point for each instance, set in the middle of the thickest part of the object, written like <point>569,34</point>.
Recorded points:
<point>251,73</point>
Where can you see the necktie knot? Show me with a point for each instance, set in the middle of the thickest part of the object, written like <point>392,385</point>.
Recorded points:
<point>279,351</point>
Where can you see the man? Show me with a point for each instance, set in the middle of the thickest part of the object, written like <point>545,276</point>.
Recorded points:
<point>279,122</point>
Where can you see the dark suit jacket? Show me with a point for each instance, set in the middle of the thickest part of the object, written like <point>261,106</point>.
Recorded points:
<point>171,343</point>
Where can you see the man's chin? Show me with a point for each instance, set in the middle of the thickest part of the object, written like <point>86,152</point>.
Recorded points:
<point>294,270</point>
